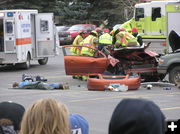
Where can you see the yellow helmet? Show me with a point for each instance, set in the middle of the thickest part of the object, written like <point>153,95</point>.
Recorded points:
<point>94,33</point>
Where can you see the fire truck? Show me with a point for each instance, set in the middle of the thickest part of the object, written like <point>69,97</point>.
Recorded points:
<point>26,35</point>
<point>154,21</point>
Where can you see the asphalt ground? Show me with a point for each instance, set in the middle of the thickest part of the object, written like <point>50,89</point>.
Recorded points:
<point>95,106</point>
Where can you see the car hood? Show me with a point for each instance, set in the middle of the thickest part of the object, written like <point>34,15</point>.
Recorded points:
<point>174,40</point>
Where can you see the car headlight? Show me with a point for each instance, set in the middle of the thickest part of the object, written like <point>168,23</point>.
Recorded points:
<point>161,61</point>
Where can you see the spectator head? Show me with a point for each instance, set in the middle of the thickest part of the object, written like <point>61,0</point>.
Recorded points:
<point>134,30</point>
<point>78,124</point>
<point>137,116</point>
<point>106,30</point>
<point>46,116</point>
<point>11,115</point>
<point>15,84</point>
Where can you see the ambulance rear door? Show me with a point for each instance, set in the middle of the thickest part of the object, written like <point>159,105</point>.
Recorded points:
<point>9,34</point>
<point>45,42</point>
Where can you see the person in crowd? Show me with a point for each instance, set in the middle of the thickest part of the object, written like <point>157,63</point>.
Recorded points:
<point>137,116</point>
<point>39,85</point>
<point>137,35</point>
<point>11,114</point>
<point>46,116</point>
<point>105,39</point>
<point>78,124</point>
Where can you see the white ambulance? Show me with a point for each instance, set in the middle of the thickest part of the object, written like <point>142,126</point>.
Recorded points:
<point>26,35</point>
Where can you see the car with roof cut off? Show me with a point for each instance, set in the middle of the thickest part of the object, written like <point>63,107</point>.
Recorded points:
<point>122,61</point>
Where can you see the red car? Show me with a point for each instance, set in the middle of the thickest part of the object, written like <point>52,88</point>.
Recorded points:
<point>121,61</point>
<point>100,82</point>
<point>67,37</point>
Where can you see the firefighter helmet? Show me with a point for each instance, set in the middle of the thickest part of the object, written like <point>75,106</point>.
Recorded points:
<point>134,30</point>
<point>98,29</point>
<point>94,33</point>
<point>106,30</point>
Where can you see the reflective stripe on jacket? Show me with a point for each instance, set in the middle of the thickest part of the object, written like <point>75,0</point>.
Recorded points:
<point>77,41</point>
<point>125,38</point>
<point>88,41</point>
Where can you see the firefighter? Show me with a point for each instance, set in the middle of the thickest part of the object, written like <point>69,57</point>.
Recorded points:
<point>105,39</point>
<point>125,39</point>
<point>77,50</point>
<point>99,31</point>
<point>90,41</point>
<point>138,36</point>
<point>114,32</point>
<point>78,41</point>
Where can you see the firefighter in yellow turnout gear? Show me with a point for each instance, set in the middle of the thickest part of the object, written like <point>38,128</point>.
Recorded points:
<point>78,41</point>
<point>105,39</point>
<point>77,50</point>
<point>125,39</point>
<point>90,41</point>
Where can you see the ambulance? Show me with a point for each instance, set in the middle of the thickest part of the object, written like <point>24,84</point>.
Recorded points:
<point>154,21</point>
<point>26,35</point>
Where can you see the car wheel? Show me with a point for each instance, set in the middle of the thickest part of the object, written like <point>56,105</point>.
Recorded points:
<point>174,75</point>
<point>43,61</point>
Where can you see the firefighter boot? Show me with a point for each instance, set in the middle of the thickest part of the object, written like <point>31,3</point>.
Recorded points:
<point>84,78</point>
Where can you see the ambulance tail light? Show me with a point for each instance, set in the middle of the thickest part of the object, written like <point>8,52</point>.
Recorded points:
<point>163,44</point>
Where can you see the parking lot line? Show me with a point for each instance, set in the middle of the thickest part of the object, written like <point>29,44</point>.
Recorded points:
<point>170,108</point>
<point>128,96</point>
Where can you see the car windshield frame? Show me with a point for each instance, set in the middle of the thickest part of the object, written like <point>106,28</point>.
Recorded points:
<point>76,28</point>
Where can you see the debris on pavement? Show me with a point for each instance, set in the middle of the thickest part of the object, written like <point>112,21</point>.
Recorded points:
<point>158,84</point>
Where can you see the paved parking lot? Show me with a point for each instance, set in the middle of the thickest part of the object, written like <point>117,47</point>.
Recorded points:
<point>95,106</point>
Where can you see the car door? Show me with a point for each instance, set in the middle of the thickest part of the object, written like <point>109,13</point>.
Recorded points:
<point>84,65</point>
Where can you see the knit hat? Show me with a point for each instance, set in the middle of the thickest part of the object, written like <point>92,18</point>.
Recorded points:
<point>13,112</point>
<point>137,116</point>
<point>78,124</point>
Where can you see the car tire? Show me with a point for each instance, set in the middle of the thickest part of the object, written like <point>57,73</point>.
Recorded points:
<point>25,65</point>
<point>174,75</point>
<point>43,61</point>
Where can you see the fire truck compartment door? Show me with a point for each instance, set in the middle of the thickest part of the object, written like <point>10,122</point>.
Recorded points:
<point>45,43</point>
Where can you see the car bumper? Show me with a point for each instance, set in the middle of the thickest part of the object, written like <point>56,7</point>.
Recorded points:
<point>162,69</point>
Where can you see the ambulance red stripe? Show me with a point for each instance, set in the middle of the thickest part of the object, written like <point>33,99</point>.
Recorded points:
<point>23,41</point>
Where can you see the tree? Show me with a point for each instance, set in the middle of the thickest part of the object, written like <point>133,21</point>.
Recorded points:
<point>111,10</point>
<point>79,11</point>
